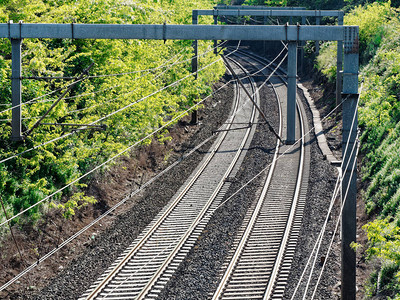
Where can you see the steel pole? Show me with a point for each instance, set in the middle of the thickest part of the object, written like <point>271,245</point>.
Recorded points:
<point>215,41</point>
<point>16,89</point>
<point>302,44</point>
<point>317,22</point>
<point>349,168</point>
<point>291,93</point>
<point>339,65</point>
<point>195,21</point>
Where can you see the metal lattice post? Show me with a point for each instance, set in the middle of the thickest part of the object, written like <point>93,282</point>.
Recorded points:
<point>291,93</point>
<point>317,22</point>
<point>302,44</point>
<point>16,134</point>
<point>339,65</point>
<point>265,20</point>
<point>195,58</point>
<point>215,41</point>
<point>349,168</point>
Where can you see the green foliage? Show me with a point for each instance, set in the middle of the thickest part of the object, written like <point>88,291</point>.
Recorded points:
<point>384,242</point>
<point>379,119</point>
<point>317,4</point>
<point>29,178</point>
<point>77,201</point>
<point>325,63</point>
<point>375,22</point>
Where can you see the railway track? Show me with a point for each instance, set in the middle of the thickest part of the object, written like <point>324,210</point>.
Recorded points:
<point>260,263</point>
<point>147,265</point>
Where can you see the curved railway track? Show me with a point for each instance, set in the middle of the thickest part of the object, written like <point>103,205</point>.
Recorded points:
<point>145,267</point>
<point>258,265</point>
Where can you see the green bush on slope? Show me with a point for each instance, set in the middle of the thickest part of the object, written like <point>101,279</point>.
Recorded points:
<point>379,119</point>
<point>32,176</point>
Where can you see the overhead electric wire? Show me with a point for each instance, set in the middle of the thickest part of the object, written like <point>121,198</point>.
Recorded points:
<point>104,75</point>
<point>115,98</point>
<point>50,93</point>
<point>168,67</point>
<point>125,199</point>
<point>343,175</point>
<point>337,223</point>
<point>320,236</point>
<point>109,115</point>
<point>334,196</point>
<point>156,68</point>
<point>112,158</point>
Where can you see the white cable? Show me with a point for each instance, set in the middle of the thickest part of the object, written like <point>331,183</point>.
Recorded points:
<point>156,68</point>
<point>112,158</point>
<point>337,224</point>
<point>107,116</point>
<point>343,172</point>
<point>321,233</point>
<point>30,101</point>
<point>116,205</point>
<point>124,94</point>
<point>105,75</point>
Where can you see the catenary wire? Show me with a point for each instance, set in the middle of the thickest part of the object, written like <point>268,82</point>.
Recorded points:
<point>99,120</point>
<point>320,235</point>
<point>50,93</point>
<point>107,161</point>
<point>96,92</point>
<point>117,97</point>
<point>116,205</point>
<point>337,223</point>
<point>96,76</point>
<point>342,172</point>
<point>156,68</point>
<point>334,196</point>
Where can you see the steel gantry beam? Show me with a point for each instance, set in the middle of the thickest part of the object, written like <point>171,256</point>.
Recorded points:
<point>293,34</point>
<point>171,32</point>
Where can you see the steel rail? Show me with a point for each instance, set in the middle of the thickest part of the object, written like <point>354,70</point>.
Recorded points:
<point>246,234</point>
<point>251,224</point>
<point>204,211</point>
<point>119,266</point>
<point>283,267</point>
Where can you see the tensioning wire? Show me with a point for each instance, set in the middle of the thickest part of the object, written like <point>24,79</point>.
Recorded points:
<point>119,110</point>
<point>124,200</point>
<point>107,161</point>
